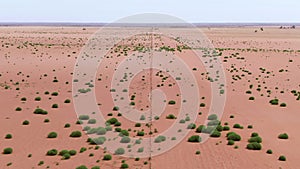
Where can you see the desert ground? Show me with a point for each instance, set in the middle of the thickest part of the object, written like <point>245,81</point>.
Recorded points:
<point>40,92</point>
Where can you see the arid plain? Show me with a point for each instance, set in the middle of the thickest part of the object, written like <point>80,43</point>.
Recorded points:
<point>38,118</point>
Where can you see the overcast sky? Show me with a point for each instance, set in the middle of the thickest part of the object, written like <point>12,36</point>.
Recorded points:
<point>112,10</point>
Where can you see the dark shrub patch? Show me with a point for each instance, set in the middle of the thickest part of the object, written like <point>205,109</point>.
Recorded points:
<point>84,117</point>
<point>238,126</point>
<point>212,117</point>
<point>172,102</point>
<point>92,121</point>
<point>75,134</point>
<point>269,151</point>
<point>215,134</point>
<point>283,105</point>
<point>233,136</point>
<point>254,134</point>
<point>254,146</point>
<point>256,139</point>
<point>283,136</point>
<point>54,94</point>
<point>37,99</point>
<point>72,152</point>
<point>7,150</point>
<point>18,109</point>
<point>274,102</point>
<point>191,126</point>
<point>52,152</point>
<point>195,139</point>
<point>138,125</point>
<point>8,136</point>
<point>55,106</point>
<point>226,128</point>
<point>160,139</point>
<point>171,116</point>
<point>67,101</point>
<point>112,121</point>
<point>26,122</point>
<point>120,151</point>
<point>202,104</point>
<point>282,158</point>
<point>52,135</point>
<point>125,139</point>
<point>81,167</point>
<point>40,111</point>
<point>67,125</point>
<point>230,142</point>
<point>107,157</point>
<point>140,133</point>
<point>124,165</point>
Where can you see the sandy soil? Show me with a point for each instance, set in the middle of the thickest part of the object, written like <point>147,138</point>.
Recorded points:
<point>32,57</point>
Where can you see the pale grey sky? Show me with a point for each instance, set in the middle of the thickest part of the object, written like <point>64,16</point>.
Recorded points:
<point>112,10</point>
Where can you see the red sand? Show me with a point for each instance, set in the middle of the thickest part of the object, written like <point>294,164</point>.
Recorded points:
<point>29,50</point>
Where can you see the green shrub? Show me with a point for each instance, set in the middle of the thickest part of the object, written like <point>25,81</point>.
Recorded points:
<point>160,139</point>
<point>195,139</point>
<point>101,131</point>
<point>72,152</point>
<point>250,127</point>
<point>98,140</point>
<point>7,150</point>
<point>40,111</point>
<point>269,151</point>
<point>171,116</point>
<point>200,129</point>
<point>237,126</point>
<point>191,126</point>
<point>26,122</point>
<point>233,136</point>
<point>219,128</point>
<point>67,101</point>
<point>62,152</point>
<point>75,134</point>
<point>124,133</point>
<point>120,151</point>
<point>140,133</point>
<point>256,139</point>
<point>46,121</point>
<point>230,142</point>
<point>251,98</point>
<point>92,121</point>
<point>283,105</point>
<point>226,128</point>
<point>124,165</point>
<point>52,152</point>
<point>254,134</point>
<point>215,134</point>
<point>107,157</point>
<point>283,136</point>
<point>115,108</point>
<point>55,106</point>
<point>8,136</point>
<point>18,109</point>
<point>213,123</point>
<point>79,122</point>
<point>172,102</point>
<point>125,139</point>
<point>84,117</point>
<point>54,94</point>
<point>202,104</point>
<point>212,117</point>
<point>254,146</point>
<point>66,156</point>
<point>282,158</point>
<point>52,135</point>
<point>82,149</point>
<point>95,167</point>
<point>81,167</point>
<point>198,152</point>
<point>231,116</point>
<point>274,102</point>
<point>23,99</point>
<point>37,99</point>
<point>118,124</point>
<point>112,121</point>
<point>138,125</point>
<point>67,125</point>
